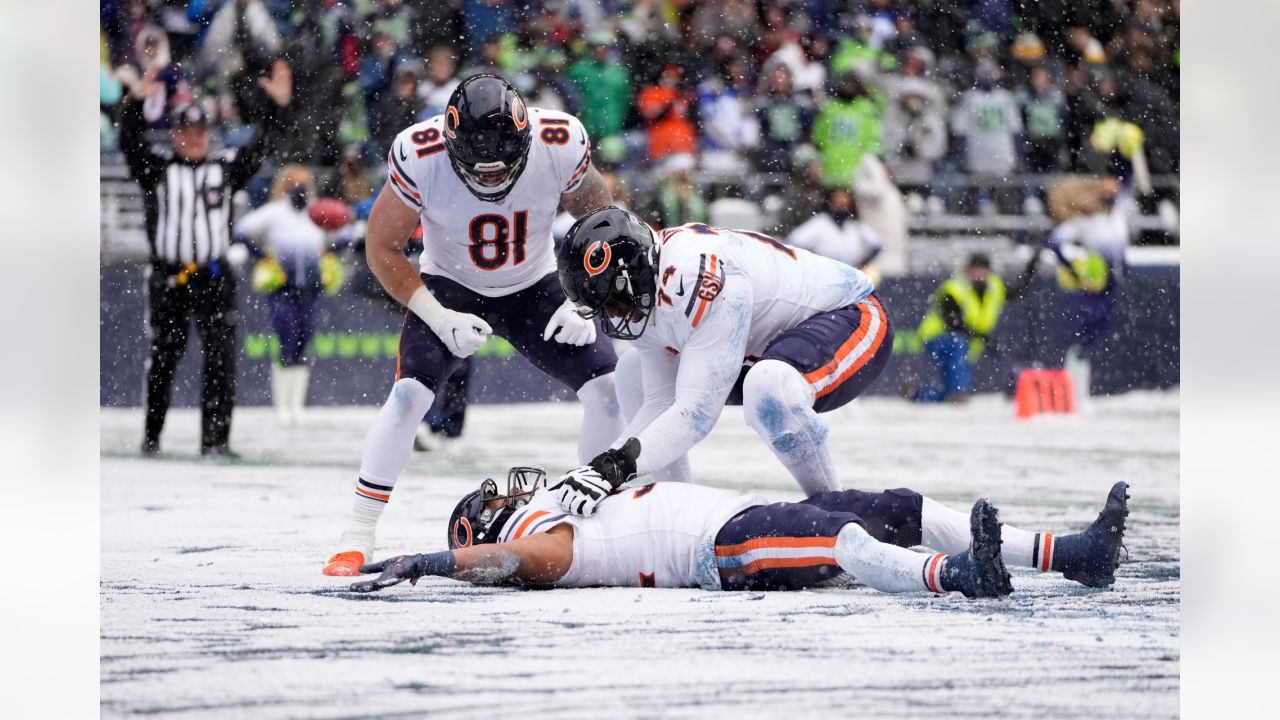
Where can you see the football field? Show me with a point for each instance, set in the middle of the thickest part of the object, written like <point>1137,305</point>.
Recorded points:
<point>213,604</point>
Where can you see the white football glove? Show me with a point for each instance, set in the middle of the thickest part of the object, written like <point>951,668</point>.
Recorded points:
<point>569,327</point>
<point>580,491</point>
<point>462,333</point>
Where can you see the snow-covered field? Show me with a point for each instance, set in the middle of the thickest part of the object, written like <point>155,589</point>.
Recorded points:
<point>213,604</point>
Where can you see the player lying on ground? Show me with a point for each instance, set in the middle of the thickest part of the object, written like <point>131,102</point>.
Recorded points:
<point>719,317</point>
<point>683,535</point>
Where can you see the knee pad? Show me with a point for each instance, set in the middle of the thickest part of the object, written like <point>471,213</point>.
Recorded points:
<point>409,397</point>
<point>778,403</point>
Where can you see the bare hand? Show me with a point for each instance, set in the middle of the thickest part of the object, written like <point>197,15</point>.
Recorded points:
<point>279,87</point>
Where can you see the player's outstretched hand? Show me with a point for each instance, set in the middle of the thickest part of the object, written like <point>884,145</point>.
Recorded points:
<point>394,571</point>
<point>569,327</point>
<point>580,490</point>
<point>462,333</point>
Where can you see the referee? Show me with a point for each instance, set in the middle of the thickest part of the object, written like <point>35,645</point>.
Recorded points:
<point>187,198</point>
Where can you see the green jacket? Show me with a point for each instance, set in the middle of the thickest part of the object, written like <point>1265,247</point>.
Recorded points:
<point>979,315</point>
<point>606,96</point>
<point>844,131</point>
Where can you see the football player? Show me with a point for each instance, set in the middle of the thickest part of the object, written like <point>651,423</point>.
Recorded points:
<point>719,316</point>
<point>684,535</point>
<point>485,179</point>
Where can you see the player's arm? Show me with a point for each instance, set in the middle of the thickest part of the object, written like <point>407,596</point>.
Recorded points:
<point>145,166</point>
<point>709,366</point>
<point>538,559</point>
<point>392,221</point>
<point>591,193</point>
<point>658,372</point>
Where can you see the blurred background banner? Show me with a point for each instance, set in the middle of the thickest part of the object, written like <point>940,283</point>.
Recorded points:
<point>355,354</point>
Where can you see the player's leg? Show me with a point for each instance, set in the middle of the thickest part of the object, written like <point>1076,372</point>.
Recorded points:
<point>819,365</point>
<point>588,370</point>
<point>788,546</point>
<point>629,385</point>
<point>421,364</point>
<point>300,371</point>
<point>1089,557</point>
<point>167,327</point>
<point>214,296</point>
<point>283,309</point>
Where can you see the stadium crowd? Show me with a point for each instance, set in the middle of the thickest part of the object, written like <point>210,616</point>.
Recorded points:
<point>936,88</point>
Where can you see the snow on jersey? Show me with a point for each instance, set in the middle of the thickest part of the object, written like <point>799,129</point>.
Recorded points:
<point>657,535</point>
<point>494,249</point>
<point>787,285</point>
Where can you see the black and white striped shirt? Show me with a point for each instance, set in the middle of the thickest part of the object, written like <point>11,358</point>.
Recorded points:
<point>187,204</point>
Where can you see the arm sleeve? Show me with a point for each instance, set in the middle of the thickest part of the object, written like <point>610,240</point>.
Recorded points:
<point>144,165</point>
<point>709,366</point>
<point>658,369</point>
<point>254,223</point>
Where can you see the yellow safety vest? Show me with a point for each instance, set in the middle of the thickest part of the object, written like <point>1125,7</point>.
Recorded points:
<point>980,314</point>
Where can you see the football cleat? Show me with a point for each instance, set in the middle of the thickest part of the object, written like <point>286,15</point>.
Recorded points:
<point>345,564</point>
<point>1091,557</point>
<point>980,572</point>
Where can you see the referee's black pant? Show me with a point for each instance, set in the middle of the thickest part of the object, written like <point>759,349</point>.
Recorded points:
<point>175,298</point>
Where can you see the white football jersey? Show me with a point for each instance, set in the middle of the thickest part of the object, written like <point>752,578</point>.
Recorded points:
<point>788,284</point>
<point>494,249</point>
<point>657,535</point>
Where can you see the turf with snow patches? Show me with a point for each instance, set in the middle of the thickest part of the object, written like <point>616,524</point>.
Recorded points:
<point>213,605</point>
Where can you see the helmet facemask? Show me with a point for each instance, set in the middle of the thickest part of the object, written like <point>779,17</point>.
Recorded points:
<point>474,522</point>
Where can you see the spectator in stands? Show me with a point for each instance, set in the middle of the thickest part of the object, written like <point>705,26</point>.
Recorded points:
<point>441,79</point>
<point>1044,108</point>
<point>292,273</point>
<point>350,182</point>
<point>785,119</point>
<point>678,201</point>
<point>962,317</point>
<point>604,85</point>
<point>736,19</point>
<point>729,129</point>
<point>241,44</point>
<point>804,58</point>
<point>402,106</point>
<point>848,125</point>
<point>666,108</point>
<point>802,197</point>
<point>915,126</point>
<point>152,60</point>
<point>837,233</point>
<point>987,124</point>
<point>485,20</point>
<point>315,44</point>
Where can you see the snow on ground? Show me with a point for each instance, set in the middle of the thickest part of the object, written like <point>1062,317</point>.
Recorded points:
<point>213,605</point>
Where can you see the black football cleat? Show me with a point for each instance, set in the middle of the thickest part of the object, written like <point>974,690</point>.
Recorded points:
<point>220,452</point>
<point>150,448</point>
<point>980,571</point>
<point>1091,557</point>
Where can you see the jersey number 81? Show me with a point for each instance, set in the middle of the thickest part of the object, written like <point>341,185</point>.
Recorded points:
<point>493,241</point>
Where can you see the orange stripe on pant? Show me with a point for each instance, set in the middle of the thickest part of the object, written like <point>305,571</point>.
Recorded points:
<point>774,542</point>
<point>864,326</point>
<point>1046,554</point>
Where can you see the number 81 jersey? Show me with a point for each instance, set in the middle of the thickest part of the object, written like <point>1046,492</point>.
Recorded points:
<point>494,249</point>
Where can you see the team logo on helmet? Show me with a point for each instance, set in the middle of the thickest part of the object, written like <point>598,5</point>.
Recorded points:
<point>593,268</point>
<point>451,121</point>
<point>460,540</point>
<point>519,114</point>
